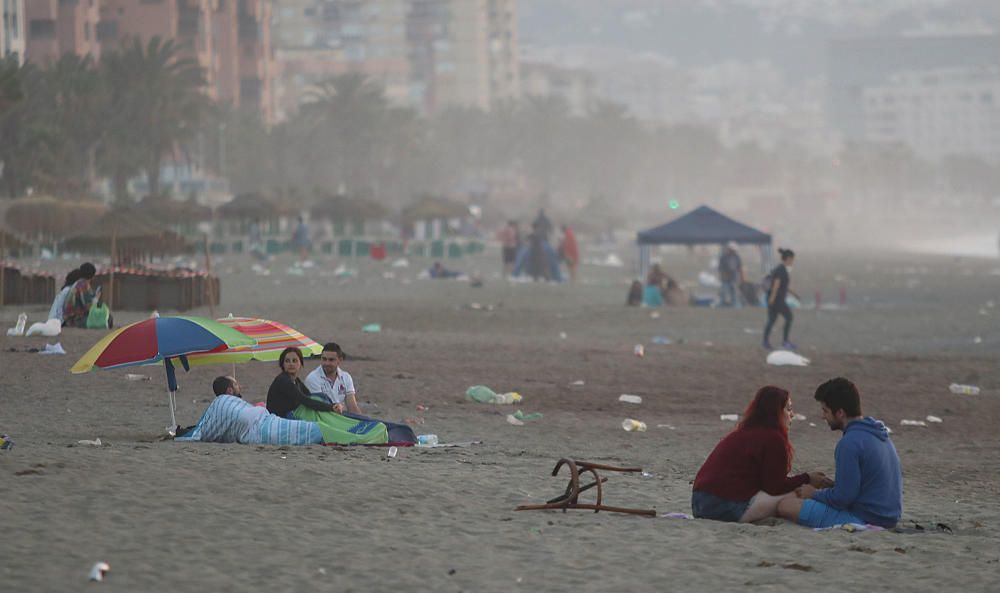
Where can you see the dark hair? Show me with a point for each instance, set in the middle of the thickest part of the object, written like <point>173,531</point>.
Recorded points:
<point>840,394</point>
<point>334,347</point>
<point>72,277</point>
<point>87,270</point>
<point>785,253</point>
<point>766,410</point>
<point>286,352</point>
<point>221,384</point>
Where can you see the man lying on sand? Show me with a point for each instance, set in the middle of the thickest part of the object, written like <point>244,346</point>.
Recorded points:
<point>229,419</point>
<point>869,486</point>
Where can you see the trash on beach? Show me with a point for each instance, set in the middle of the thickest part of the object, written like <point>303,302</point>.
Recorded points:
<point>676,516</point>
<point>529,416</point>
<point>422,408</point>
<point>798,417</point>
<point>934,420</point>
<point>812,424</point>
<point>708,279</point>
<point>343,272</point>
<point>631,399</point>
<point>787,358</point>
<point>372,328</point>
<point>512,419</point>
<point>5,443</point>
<point>577,383</point>
<point>562,335</point>
<point>750,330</point>
<point>99,571</point>
<point>485,395</point>
<point>977,340</point>
<point>633,425</point>
<point>413,421</point>
<point>912,423</point>
<point>401,263</point>
<point>18,329</point>
<point>94,443</point>
<point>49,329</point>
<point>667,426</point>
<point>137,377</point>
<point>392,452</point>
<point>52,349</point>
<point>729,417</point>
<point>661,340</point>
<point>654,315</point>
<point>427,439</point>
<point>960,389</point>
<point>639,350</point>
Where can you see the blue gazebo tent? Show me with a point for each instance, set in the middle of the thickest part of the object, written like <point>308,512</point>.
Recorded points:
<point>702,226</point>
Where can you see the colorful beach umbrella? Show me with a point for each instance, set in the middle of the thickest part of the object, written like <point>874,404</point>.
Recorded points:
<point>161,339</point>
<point>271,336</point>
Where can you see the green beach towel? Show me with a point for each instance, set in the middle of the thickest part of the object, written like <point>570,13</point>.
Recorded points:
<point>342,430</point>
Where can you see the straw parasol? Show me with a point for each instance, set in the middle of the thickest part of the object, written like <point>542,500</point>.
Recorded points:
<point>341,207</point>
<point>173,212</point>
<point>135,235</point>
<point>45,217</point>
<point>251,206</point>
<point>432,207</point>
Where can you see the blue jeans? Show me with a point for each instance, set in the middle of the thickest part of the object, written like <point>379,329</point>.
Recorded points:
<point>728,295</point>
<point>709,506</point>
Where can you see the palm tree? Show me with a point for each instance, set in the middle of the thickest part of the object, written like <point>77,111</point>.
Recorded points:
<point>154,104</point>
<point>25,134</point>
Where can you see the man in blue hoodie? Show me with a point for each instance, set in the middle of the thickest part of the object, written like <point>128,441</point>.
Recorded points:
<point>869,483</point>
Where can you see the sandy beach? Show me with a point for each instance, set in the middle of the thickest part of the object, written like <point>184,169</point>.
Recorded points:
<point>207,517</point>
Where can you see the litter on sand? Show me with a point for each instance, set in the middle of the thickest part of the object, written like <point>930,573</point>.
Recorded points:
<point>512,419</point>
<point>94,443</point>
<point>729,417</point>
<point>630,399</point>
<point>577,383</point>
<point>934,420</point>
<point>913,423</point>
<point>787,358</point>
<point>52,349</point>
<point>527,417</point>
<point>99,571</point>
<point>372,328</point>
<point>49,329</point>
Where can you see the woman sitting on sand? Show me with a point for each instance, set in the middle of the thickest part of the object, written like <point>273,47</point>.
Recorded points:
<point>287,391</point>
<point>747,473</point>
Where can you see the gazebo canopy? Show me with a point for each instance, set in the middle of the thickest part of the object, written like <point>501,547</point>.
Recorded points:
<point>700,226</point>
<point>133,234</point>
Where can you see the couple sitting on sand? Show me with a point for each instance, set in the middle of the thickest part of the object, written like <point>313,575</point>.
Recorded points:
<point>746,479</point>
<point>324,409</point>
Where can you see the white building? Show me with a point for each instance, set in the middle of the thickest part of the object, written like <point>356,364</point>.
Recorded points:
<point>12,35</point>
<point>937,113</point>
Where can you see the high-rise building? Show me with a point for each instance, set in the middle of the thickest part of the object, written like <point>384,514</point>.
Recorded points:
<point>229,39</point>
<point>55,27</point>
<point>12,36</point>
<point>855,65</point>
<point>428,54</point>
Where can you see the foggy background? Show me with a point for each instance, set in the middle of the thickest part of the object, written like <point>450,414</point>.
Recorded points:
<point>847,123</point>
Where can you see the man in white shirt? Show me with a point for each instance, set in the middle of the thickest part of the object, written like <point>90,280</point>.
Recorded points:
<point>333,382</point>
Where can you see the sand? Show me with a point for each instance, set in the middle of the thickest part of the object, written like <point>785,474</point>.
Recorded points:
<point>209,517</point>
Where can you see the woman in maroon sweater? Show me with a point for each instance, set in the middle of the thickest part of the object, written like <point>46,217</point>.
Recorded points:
<point>747,473</point>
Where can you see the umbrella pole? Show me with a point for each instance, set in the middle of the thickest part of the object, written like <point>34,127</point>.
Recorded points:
<point>172,402</point>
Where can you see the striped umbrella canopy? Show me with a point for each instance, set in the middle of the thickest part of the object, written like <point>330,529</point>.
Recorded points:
<point>271,338</point>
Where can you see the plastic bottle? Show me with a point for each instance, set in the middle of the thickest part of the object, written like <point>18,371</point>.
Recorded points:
<point>963,389</point>
<point>22,320</point>
<point>630,399</point>
<point>481,394</point>
<point>631,425</point>
<point>428,440</point>
<point>506,398</point>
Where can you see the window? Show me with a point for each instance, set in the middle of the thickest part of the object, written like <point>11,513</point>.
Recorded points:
<point>250,89</point>
<point>42,28</point>
<point>107,30</point>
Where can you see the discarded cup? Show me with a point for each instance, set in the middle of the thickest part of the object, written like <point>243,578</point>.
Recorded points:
<point>639,350</point>
<point>136,377</point>
<point>729,417</point>
<point>632,425</point>
<point>963,389</point>
<point>98,572</point>
<point>631,399</point>
<point>913,423</point>
<point>428,440</point>
<point>391,453</point>
<point>934,420</point>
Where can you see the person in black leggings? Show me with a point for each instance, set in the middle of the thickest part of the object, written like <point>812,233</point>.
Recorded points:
<point>776,304</point>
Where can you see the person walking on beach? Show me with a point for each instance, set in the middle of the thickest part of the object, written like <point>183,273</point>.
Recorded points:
<point>510,241</point>
<point>746,474</point>
<point>777,295</point>
<point>569,251</point>
<point>869,482</point>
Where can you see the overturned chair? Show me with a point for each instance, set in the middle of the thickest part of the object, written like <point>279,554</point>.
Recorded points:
<point>570,498</point>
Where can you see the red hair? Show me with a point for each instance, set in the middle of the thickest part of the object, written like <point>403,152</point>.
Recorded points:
<point>767,410</point>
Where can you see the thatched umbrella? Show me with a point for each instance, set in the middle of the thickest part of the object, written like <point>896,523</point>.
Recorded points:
<point>341,207</point>
<point>252,206</point>
<point>46,218</point>
<point>174,213</point>
<point>433,207</point>
<point>134,235</point>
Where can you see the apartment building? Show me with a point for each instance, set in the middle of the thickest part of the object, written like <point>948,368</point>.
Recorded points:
<point>55,27</point>
<point>12,36</point>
